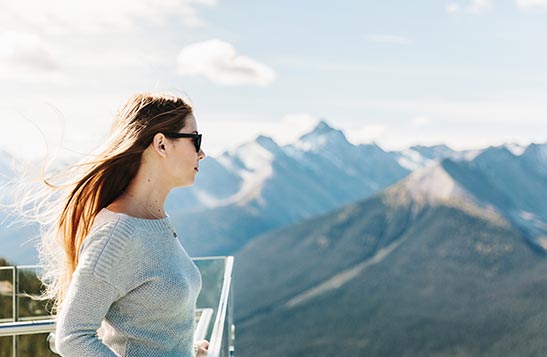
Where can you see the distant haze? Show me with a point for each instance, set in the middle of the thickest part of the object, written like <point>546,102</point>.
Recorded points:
<point>33,137</point>
<point>468,74</point>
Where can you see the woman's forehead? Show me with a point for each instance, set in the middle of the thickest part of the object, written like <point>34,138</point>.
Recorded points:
<point>190,123</point>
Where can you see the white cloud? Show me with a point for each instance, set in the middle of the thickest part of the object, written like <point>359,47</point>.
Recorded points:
<point>219,62</point>
<point>62,16</point>
<point>420,121</point>
<point>26,57</point>
<point>366,134</point>
<point>390,39</point>
<point>532,4</point>
<point>477,6</point>
<point>491,111</point>
<point>473,6</point>
<point>292,127</point>
<point>204,2</point>
<point>116,59</point>
<point>401,135</point>
<point>453,7</point>
<point>223,131</point>
<point>41,127</point>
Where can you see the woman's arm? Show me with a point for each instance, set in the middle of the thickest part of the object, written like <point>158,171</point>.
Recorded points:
<point>87,301</point>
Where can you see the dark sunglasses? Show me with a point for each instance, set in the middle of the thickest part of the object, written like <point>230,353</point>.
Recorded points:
<point>196,138</point>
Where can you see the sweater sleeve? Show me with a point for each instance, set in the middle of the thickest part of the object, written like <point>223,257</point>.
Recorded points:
<point>96,284</point>
<point>87,301</point>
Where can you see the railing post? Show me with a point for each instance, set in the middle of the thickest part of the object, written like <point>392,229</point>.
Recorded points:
<point>16,293</point>
<point>13,299</point>
<point>15,308</point>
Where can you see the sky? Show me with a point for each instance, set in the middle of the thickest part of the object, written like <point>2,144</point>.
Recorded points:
<point>468,74</point>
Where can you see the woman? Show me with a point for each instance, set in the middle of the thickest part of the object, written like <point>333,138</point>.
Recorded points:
<point>126,287</point>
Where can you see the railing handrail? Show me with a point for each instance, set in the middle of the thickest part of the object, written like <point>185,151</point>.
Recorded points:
<point>200,332</point>
<point>26,327</point>
<point>48,325</point>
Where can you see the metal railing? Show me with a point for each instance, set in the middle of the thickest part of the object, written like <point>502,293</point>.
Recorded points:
<point>26,327</point>
<point>203,319</point>
<point>214,321</point>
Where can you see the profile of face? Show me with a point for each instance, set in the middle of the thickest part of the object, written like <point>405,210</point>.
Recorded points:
<point>182,159</point>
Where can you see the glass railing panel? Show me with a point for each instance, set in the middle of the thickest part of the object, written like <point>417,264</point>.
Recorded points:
<point>203,320</point>
<point>212,276</point>
<point>6,294</point>
<point>6,346</point>
<point>33,345</point>
<point>228,338</point>
<point>210,302</point>
<point>221,339</point>
<point>29,284</point>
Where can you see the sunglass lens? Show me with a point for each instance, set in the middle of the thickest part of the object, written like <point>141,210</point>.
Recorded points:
<point>197,142</point>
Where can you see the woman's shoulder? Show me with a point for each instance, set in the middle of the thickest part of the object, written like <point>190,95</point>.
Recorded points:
<point>109,240</point>
<point>108,226</point>
<point>109,222</point>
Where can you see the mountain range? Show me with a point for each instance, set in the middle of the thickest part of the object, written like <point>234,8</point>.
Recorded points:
<point>260,186</point>
<point>282,185</point>
<point>440,263</point>
<point>346,249</point>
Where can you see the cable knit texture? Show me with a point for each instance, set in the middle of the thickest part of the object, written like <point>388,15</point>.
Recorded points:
<point>133,292</point>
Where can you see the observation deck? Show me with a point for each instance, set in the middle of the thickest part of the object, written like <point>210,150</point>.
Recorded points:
<point>26,329</point>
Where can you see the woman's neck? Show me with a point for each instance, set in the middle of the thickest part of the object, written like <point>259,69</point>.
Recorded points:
<point>143,198</point>
<point>149,208</point>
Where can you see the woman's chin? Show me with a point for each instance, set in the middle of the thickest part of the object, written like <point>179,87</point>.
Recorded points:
<point>187,182</point>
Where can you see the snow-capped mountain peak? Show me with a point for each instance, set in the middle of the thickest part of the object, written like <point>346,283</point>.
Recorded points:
<point>252,162</point>
<point>321,128</point>
<point>419,156</point>
<point>433,184</point>
<point>254,156</point>
<point>515,149</point>
<point>411,159</point>
<point>321,137</point>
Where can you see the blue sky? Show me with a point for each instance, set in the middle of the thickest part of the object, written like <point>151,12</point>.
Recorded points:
<point>465,73</point>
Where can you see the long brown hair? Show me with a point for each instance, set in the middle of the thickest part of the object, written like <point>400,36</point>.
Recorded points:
<point>98,182</point>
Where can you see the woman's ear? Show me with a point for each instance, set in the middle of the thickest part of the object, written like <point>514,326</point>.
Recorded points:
<point>159,143</point>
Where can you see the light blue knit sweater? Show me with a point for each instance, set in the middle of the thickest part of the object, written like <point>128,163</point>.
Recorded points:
<point>133,292</point>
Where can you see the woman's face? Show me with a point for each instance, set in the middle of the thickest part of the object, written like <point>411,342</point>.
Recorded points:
<point>183,160</point>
